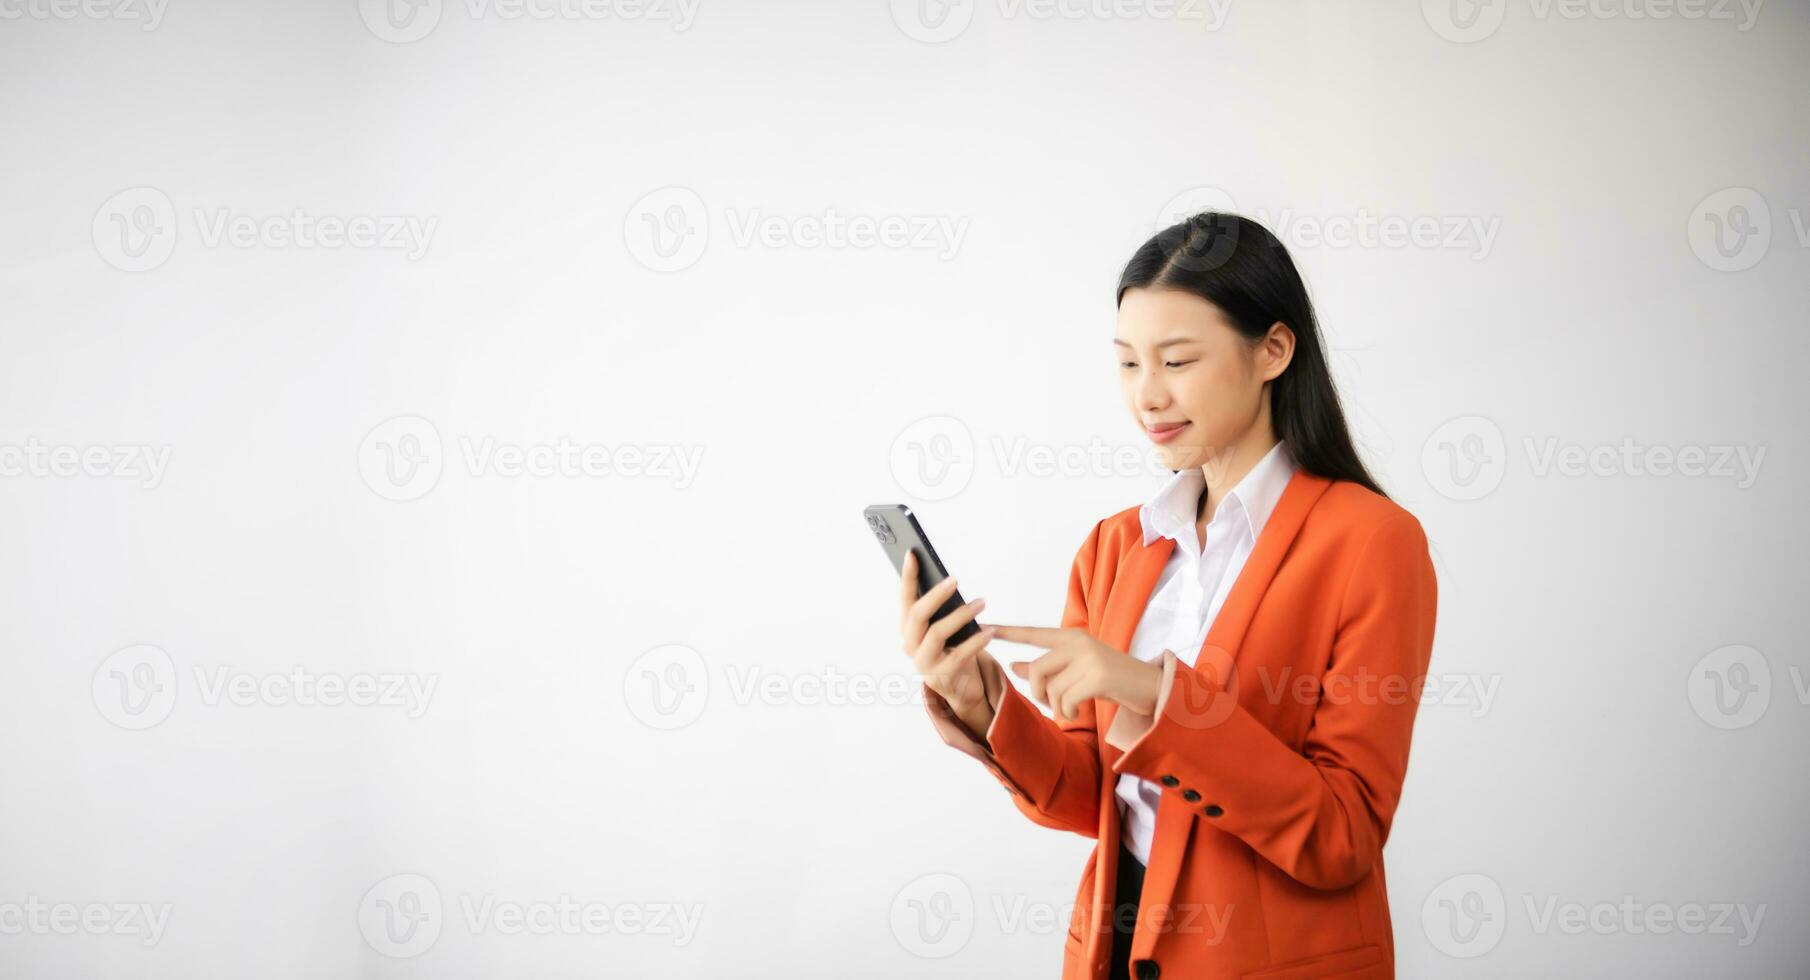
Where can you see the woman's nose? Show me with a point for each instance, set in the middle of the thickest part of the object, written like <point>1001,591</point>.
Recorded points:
<point>1151,395</point>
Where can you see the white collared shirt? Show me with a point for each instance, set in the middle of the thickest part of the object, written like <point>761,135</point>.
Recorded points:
<point>1191,588</point>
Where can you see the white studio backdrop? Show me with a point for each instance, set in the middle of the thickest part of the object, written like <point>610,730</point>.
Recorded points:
<point>433,436</point>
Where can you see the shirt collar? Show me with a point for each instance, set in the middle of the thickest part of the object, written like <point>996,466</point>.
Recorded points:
<point>1171,511</point>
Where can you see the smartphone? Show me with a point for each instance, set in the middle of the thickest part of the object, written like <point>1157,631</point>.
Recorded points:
<point>898,531</point>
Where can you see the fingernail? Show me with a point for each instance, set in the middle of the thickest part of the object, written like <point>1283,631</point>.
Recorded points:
<point>976,604</point>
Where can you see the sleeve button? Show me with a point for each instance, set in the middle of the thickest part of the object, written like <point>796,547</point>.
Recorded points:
<point>1190,796</point>
<point>1170,781</point>
<point>1213,810</point>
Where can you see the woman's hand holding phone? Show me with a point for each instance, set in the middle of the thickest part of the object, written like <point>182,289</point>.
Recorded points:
<point>958,674</point>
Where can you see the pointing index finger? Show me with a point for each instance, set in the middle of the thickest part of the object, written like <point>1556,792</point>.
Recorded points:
<point>1037,636</point>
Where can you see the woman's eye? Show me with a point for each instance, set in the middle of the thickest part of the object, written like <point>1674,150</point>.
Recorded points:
<point>1176,364</point>
<point>1128,364</point>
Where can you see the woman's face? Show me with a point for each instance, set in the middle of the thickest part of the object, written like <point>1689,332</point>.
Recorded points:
<point>1183,368</point>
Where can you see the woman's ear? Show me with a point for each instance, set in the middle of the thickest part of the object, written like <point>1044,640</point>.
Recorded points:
<point>1275,351</point>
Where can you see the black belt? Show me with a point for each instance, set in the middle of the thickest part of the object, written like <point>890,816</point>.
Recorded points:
<point>1124,912</point>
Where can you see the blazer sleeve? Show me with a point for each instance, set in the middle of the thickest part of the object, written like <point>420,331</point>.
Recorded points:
<point>1322,813</point>
<point>1051,768</point>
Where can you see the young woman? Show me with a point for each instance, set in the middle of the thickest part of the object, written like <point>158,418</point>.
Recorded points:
<point>1235,678</point>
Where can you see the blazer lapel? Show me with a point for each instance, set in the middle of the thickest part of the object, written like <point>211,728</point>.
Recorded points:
<point>1228,629</point>
<point>1135,581</point>
<point>1174,820</point>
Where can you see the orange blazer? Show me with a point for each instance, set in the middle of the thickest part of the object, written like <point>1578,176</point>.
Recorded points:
<point>1280,752</point>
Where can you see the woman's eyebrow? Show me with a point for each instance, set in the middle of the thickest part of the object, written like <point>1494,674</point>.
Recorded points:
<point>1172,341</point>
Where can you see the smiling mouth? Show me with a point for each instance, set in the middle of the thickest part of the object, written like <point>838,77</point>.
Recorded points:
<point>1166,431</point>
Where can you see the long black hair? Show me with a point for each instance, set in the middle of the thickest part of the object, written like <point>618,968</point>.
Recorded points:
<point>1237,265</point>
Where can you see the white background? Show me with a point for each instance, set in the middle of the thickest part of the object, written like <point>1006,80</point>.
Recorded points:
<point>1600,144</point>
